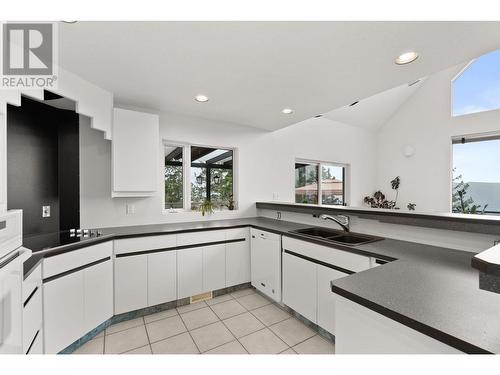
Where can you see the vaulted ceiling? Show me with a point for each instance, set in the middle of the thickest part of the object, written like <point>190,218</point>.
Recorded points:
<point>252,70</point>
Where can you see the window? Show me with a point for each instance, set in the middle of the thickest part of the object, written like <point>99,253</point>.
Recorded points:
<point>211,176</point>
<point>319,183</point>
<point>174,177</point>
<point>476,176</point>
<point>477,88</point>
<point>194,174</point>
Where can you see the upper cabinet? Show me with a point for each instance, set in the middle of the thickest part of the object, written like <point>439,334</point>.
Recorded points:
<point>135,153</point>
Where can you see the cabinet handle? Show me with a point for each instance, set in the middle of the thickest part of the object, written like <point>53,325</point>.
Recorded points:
<point>264,285</point>
<point>253,236</point>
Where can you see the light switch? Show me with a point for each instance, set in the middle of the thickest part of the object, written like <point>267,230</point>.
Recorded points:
<point>45,211</point>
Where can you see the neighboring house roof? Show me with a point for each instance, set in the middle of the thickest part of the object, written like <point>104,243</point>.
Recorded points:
<point>332,186</point>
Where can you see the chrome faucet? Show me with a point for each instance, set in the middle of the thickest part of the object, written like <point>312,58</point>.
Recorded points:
<point>344,222</point>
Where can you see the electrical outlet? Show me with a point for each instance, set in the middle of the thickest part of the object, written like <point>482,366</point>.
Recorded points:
<point>130,209</point>
<point>45,211</point>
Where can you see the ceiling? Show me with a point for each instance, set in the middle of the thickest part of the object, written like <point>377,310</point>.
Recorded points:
<point>252,70</point>
<point>371,113</point>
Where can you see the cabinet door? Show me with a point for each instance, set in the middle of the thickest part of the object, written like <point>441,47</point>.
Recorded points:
<point>300,286</point>
<point>326,298</point>
<point>134,153</point>
<point>98,294</point>
<point>63,311</point>
<point>131,283</point>
<point>189,272</point>
<point>162,277</point>
<point>237,263</point>
<point>214,267</point>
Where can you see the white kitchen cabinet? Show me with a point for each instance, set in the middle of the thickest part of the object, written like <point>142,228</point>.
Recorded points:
<point>162,277</point>
<point>98,288</point>
<point>135,147</point>
<point>63,311</point>
<point>32,311</point>
<point>237,263</point>
<point>131,283</point>
<point>214,267</point>
<point>300,286</point>
<point>265,257</point>
<point>326,298</point>
<point>189,272</point>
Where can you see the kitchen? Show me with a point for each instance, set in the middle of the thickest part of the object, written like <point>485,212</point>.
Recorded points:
<point>220,197</point>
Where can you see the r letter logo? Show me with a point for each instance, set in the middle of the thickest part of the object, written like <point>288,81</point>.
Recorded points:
<point>28,55</point>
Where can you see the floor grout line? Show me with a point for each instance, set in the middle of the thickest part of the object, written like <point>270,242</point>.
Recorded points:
<point>189,333</point>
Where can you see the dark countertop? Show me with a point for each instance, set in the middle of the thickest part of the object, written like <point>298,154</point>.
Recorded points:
<point>486,224</point>
<point>431,289</point>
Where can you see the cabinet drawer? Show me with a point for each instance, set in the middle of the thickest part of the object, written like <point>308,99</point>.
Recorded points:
<point>257,233</point>
<point>68,261</point>
<point>237,233</point>
<point>340,258</point>
<point>204,236</point>
<point>32,281</point>
<point>132,245</point>
<point>32,318</point>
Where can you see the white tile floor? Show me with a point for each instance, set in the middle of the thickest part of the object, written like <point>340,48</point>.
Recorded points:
<point>243,322</point>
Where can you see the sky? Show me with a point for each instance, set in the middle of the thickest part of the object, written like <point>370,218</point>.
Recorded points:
<point>478,89</point>
<point>478,161</point>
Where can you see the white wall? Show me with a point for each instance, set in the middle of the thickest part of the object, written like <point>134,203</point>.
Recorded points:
<point>425,122</point>
<point>265,166</point>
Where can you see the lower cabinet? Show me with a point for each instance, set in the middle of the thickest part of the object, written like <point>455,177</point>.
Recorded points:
<point>98,287</point>
<point>76,303</point>
<point>308,270</point>
<point>300,286</point>
<point>326,299</point>
<point>162,277</point>
<point>189,272</point>
<point>63,311</point>
<point>237,263</point>
<point>131,283</point>
<point>214,267</point>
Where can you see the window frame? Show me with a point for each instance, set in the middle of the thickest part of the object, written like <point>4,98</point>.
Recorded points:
<point>186,177</point>
<point>320,164</point>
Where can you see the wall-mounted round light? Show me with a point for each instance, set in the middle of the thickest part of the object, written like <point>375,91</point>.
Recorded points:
<point>287,111</point>
<point>406,58</point>
<point>201,98</point>
<point>408,151</point>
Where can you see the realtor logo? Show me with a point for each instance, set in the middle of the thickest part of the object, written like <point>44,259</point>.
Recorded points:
<point>28,55</point>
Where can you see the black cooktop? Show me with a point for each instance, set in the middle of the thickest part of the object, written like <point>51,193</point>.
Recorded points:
<point>44,241</point>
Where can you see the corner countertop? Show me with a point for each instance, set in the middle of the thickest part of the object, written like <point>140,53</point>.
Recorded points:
<point>433,290</point>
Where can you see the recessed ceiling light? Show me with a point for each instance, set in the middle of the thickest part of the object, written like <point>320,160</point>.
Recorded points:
<point>406,58</point>
<point>287,111</point>
<point>201,98</point>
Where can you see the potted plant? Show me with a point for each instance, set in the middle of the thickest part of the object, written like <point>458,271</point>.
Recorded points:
<point>230,203</point>
<point>207,207</point>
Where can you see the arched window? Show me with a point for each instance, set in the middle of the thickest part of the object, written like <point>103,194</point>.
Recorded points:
<point>477,88</point>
